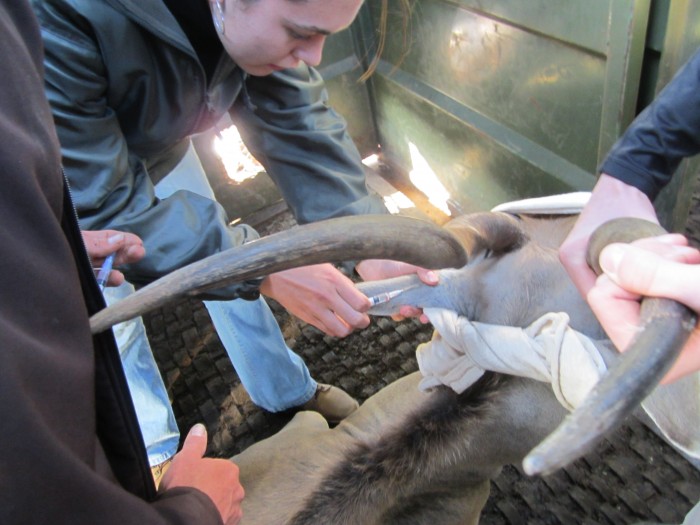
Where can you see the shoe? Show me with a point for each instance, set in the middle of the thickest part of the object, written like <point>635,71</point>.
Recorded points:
<point>332,403</point>
<point>159,471</point>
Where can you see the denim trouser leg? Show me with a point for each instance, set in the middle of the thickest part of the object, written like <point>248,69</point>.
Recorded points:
<point>693,517</point>
<point>151,402</point>
<point>275,377</point>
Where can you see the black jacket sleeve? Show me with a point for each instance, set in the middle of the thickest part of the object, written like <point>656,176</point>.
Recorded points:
<point>667,131</point>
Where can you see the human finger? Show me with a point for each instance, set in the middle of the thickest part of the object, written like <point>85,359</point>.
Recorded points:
<point>378,269</point>
<point>129,248</point>
<point>572,255</point>
<point>689,360</point>
<point>350,306</point>
<point>407,311</point>
<point>646,273</point>
<point>428,277</point>
<point>235,497</point>
<point>341,309</point>
<point>101,243</point>
<point>195,444</point>
<point>617,310</point>
<point>116,278</point>
<point>619,313</point>
<point>671,246</point>
<point>330,323</point>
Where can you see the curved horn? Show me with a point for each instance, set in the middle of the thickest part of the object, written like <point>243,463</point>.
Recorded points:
<point>666,326</point>
<point>477,232</point>
<point>494,231</point>
<point>361,237</point>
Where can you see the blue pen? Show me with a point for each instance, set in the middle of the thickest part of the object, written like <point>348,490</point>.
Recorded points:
<point>103,274</point>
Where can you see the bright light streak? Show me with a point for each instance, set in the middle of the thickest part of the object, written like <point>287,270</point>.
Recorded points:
<point>237,160</point>
<point>397,201</point>
<point>394,200</point>
<point>371,161</point>
<point>424,178</point>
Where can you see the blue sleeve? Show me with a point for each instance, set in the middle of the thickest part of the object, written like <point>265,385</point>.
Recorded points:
<point>666,132</point>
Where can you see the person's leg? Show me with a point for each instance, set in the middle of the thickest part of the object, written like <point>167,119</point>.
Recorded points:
<point>693,517</point>
<point>156,419</point>
<point>275,377</point>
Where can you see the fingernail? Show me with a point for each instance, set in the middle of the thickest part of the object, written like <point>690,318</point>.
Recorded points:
<point>667,239</point>
<point>198,430</point>
<point>610,259</point>
<point>115,238</point>
<point>432,277</point>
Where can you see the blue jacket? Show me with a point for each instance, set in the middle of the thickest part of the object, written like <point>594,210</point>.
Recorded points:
<point>667,131</point>
<point>127,91</point>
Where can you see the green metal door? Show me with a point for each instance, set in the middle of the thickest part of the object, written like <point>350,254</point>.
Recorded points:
<point>495,100</point>
<point>505,99</point>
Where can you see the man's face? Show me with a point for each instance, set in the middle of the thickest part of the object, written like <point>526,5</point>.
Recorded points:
<point>263,36</point>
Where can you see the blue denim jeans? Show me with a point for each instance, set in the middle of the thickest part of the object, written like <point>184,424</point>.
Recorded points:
<point>693,516</point>
<point>275,377</point>
<point>150,397</point>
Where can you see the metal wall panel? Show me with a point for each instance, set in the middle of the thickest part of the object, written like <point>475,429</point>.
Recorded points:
<point>505,99</point>
<point>341,69</point>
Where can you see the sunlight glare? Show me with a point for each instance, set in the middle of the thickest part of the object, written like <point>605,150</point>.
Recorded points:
<point>237,160</point>
<point>425,179</point>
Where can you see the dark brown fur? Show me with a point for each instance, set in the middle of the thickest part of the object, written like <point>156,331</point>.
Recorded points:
<point>403,462</point>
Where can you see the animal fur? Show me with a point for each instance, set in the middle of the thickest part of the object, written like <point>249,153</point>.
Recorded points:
<point>426,458</point>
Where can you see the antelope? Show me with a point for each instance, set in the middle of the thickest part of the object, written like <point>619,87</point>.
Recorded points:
<point>412,457</point>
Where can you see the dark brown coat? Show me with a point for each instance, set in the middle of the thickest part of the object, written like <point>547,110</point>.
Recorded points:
<point>70,448</point>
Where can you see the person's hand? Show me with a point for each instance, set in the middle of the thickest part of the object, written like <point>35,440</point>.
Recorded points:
<point>101,243</point>
<point>376,269</point>
<point>662,266</point>
<point>217,478</point>
<point>321,296</point>
<point>610,199</point>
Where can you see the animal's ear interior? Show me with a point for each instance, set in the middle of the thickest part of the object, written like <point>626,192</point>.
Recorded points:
<point>487,231</point>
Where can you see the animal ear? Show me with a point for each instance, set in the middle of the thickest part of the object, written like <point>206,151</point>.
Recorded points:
<point>488,231</point>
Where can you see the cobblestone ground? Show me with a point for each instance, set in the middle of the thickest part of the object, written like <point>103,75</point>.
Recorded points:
<point>631,476</point>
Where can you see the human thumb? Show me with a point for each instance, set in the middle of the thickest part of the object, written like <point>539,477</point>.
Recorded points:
<point>633,269</point>
<point>645,273</point>
<point>195,444</point>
